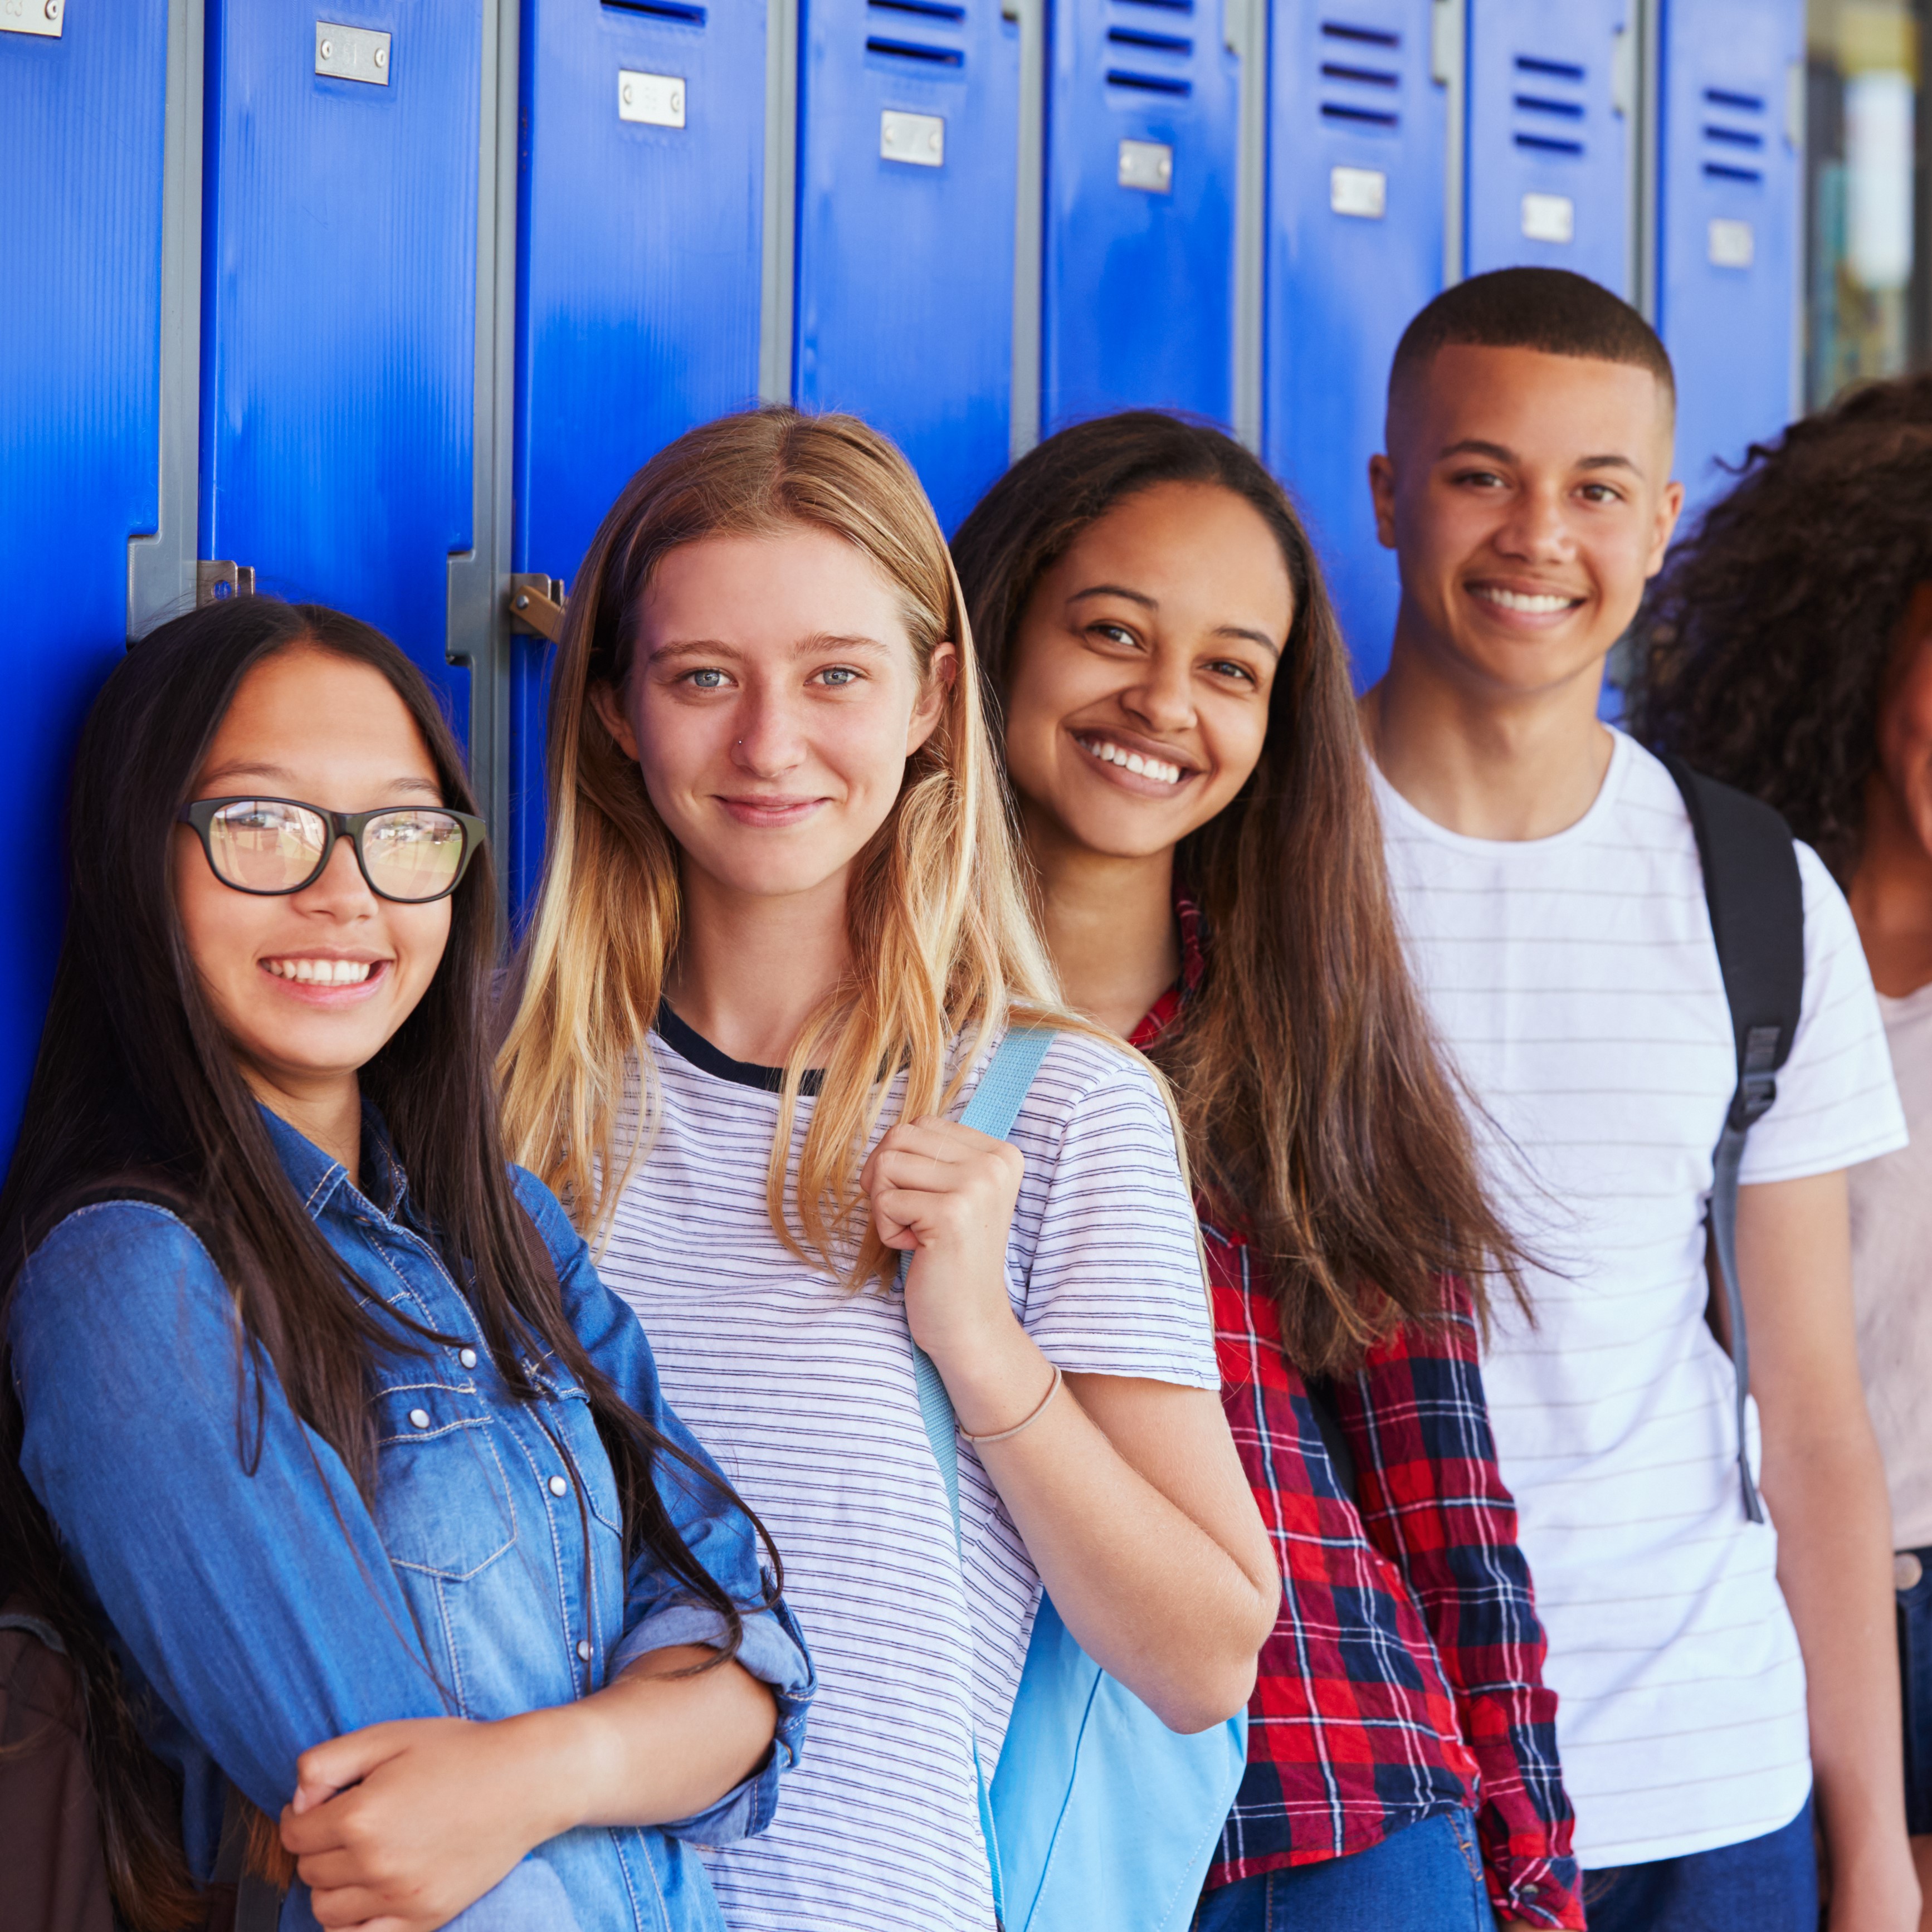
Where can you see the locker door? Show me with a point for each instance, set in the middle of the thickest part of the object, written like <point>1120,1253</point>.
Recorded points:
<point>1143,123</point>
<point>338,306</point>
<point>638,283</point>
<point>1551,89</point>
<point>81,105</point>
<point>908,154</point>
<point>1728,217</point>
<point>1355,244</point>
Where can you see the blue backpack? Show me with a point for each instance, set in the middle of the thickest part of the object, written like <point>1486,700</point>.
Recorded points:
<point>1098,1814</point>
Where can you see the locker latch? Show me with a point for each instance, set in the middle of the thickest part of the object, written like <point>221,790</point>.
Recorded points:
<point>216,582</point>
<point>32,16</point>
<point>536,605</point>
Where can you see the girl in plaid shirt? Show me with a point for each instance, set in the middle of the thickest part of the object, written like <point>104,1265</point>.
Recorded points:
<point>1181,734</point>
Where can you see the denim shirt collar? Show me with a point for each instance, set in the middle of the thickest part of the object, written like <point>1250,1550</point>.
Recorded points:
<point>320,1180</point>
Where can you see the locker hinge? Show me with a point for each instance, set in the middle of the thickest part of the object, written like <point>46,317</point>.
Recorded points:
<point>1623,73</point>
<point>1445,54</point>
<point>536,605</point>
<point>215,583</point>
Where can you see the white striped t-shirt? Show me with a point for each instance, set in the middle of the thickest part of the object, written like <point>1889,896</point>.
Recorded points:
<point>804,1393</point>
<point>1575,981</point>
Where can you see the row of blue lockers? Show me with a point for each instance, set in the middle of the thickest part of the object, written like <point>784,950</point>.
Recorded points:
<point>382,300</point>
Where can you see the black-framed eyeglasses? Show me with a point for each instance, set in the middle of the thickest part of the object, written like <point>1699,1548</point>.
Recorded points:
<point>411,853</point>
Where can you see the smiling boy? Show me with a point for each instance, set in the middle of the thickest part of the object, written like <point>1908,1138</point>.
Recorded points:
<point>1717,1678</point>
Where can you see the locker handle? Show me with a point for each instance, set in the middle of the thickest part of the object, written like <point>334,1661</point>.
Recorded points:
<point>536,605</point>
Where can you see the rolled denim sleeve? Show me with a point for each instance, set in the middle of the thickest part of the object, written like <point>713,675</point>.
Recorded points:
<point>227,1544</point>
<point>658,1610</point>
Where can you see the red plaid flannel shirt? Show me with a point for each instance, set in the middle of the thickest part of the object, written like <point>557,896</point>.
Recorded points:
<point>1404,1678</point>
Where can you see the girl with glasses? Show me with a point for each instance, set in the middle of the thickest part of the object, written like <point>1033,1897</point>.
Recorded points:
<point>780,936</point>
<point>1180,734</point>
<point>348,1488</point>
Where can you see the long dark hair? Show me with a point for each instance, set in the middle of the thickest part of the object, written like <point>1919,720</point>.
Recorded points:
<point>135,1091</point>
<point>1762,648</point>
<point>1318,1112</point>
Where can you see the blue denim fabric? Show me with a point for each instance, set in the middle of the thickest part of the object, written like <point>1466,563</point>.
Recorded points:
<point>1764,1885</point>
<point>1428,1877</point>
<point>269,1609</point>
<point>1914,1669</point>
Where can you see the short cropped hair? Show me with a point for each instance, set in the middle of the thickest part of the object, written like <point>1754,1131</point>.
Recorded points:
<point>1547,309</point>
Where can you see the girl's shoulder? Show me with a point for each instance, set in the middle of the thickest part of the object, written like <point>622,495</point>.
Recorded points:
<point>553,1223</point>
<point>1085,1080</point>
<point>130,1267</point>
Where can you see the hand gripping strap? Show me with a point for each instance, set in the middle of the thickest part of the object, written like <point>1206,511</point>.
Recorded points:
<point>994,1106</point>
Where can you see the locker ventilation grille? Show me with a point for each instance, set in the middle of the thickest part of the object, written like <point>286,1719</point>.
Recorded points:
<point>1361,76</point>
<point>1733,135</point>
<point>1548,105</point>
<point>904,17</point>
<point>1148,83</point>
<point>1166,6</point>
<point>660,10</point>
<point>1139,37</point>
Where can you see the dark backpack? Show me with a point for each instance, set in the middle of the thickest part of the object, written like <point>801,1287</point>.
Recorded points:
<point>1756,899</point>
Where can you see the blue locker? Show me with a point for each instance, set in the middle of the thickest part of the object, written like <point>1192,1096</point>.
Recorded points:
<point>1550,89</point>
<point>907,164</point>
<point>1728,216</point>
<point>1143,123</point>
<point>81,134</point>
<point>338,306</point>
<point>1356,212</point>
<point>640,184</point>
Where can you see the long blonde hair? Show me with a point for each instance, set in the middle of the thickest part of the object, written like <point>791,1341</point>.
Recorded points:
<point>943,942</point>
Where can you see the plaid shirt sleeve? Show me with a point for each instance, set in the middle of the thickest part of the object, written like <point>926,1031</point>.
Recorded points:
<point>1433,1502</point>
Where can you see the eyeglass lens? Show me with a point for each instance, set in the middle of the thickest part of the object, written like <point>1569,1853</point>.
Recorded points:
<point>264,845</point>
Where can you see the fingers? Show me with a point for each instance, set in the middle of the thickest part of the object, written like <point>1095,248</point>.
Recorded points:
<point>326,1768</point>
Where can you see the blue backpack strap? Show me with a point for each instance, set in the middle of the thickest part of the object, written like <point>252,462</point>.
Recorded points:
<point>994,1106</point>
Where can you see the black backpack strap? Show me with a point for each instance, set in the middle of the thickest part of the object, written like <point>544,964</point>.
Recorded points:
<point>1756,898</point>
<point>1334,1437</point>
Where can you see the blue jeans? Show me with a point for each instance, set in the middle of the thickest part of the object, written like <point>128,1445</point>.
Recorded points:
<point>1765,1885</point>
<point>1427,1878</point>
<point>1914,1666</point>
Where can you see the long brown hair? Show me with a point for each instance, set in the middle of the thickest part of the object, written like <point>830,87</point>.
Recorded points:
<point>943,943</point>
<point>1763,649</point>
<point>136,1093</point>
<point>1319,1113</point>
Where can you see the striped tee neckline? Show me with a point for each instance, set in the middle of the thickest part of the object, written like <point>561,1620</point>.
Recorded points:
<point>688,1044</point>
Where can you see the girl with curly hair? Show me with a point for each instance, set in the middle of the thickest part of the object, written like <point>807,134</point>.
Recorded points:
<point>1787,650</point>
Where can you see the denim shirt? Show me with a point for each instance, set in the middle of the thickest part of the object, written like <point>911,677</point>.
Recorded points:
<point>270,1608</point>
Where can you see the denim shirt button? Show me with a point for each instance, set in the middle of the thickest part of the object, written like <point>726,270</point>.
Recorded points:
<point>468,1358</point>
<point>583,1650</point>
<point>559,1487</point>
<point>420,1417</point>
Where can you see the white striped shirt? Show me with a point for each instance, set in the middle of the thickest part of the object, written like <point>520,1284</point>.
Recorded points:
<point>805,1394</point>
<point>1575,980</point>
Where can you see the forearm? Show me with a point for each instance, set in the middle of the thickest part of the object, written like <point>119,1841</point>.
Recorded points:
<point>652,1747</point>
<point>1826,1494</point>
<point>1157,1599</point>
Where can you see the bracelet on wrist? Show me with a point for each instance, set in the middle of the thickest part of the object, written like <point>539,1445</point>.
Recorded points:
<point>1007,1435</point>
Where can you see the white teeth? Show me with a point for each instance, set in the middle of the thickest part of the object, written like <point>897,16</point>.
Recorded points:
<point>322,972</point>
<point>1133,761</point>
<point>1543,605</point>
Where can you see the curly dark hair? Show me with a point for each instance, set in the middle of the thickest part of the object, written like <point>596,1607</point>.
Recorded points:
<point>1762,650</point>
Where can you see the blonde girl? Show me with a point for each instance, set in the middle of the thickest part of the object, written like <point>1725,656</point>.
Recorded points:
<point>780,934</point>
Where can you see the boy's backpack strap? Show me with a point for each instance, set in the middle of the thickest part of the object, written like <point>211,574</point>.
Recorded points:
<point>1756,900</point>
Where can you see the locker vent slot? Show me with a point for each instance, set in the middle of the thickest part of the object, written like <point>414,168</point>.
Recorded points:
<point>1732,144</point>
<point>1138,36</point>
<point>915,50</point>
<point>928,10</point>
<point>684,15</point>
<point>1148,83</point>
<point>1548,120</point>
<point>1365,37</point>
<point>1356,84</point>
<point>1167,6</point>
